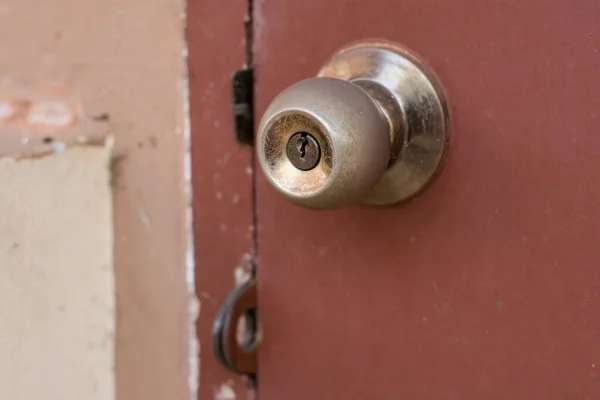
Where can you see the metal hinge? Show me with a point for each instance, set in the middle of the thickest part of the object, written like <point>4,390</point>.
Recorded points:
<point>242,84</point>
<point>236,333</point>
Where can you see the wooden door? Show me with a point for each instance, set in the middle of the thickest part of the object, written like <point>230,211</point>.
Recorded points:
<point>487,286</point>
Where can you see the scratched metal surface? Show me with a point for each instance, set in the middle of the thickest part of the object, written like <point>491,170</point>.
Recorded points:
<point>221,176</point>
<point>488,285</point>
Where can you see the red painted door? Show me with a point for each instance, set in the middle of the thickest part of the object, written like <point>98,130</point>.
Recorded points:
<point>487,286</point>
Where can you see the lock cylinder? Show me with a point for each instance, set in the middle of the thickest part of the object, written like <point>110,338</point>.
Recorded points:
<point>371,128</point>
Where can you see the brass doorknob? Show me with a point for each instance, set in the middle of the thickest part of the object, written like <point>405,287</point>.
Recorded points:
<point>370,128</point>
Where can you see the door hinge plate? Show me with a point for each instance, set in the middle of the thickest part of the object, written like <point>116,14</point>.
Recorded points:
<point>242,84</point>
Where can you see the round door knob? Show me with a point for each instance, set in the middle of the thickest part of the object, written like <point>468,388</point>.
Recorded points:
<point>371,128</point>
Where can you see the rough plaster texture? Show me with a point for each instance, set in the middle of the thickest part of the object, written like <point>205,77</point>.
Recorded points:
<point>57,300</point>
<point>116,67</point>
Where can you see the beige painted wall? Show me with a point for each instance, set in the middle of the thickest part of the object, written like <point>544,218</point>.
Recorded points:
<point>57,303</point>
<point>82,70</point>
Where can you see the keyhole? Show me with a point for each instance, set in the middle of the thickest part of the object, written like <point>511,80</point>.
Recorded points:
<point>302,143</point>
<point>303,151</point>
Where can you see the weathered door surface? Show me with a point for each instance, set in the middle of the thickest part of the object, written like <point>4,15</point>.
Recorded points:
<point>221,176</point>
<point>487,286</point>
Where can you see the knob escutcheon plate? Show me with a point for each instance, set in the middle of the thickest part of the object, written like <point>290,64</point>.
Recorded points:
<point>413,102</point>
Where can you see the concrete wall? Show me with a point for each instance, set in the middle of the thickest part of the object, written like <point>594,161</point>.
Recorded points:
<point>94,306</point>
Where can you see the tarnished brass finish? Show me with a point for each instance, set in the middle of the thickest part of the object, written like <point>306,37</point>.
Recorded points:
<point>353,137</point>
<point>380,121</point>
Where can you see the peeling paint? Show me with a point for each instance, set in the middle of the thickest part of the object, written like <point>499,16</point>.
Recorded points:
<point>194,304</point>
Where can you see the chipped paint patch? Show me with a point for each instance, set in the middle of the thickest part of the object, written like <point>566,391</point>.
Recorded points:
<point>40,108</point>
<point>51,114</point>
<point>225,392</point>
<point>243,272</point>
<point>7,111</point>
<point>42,118</point>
